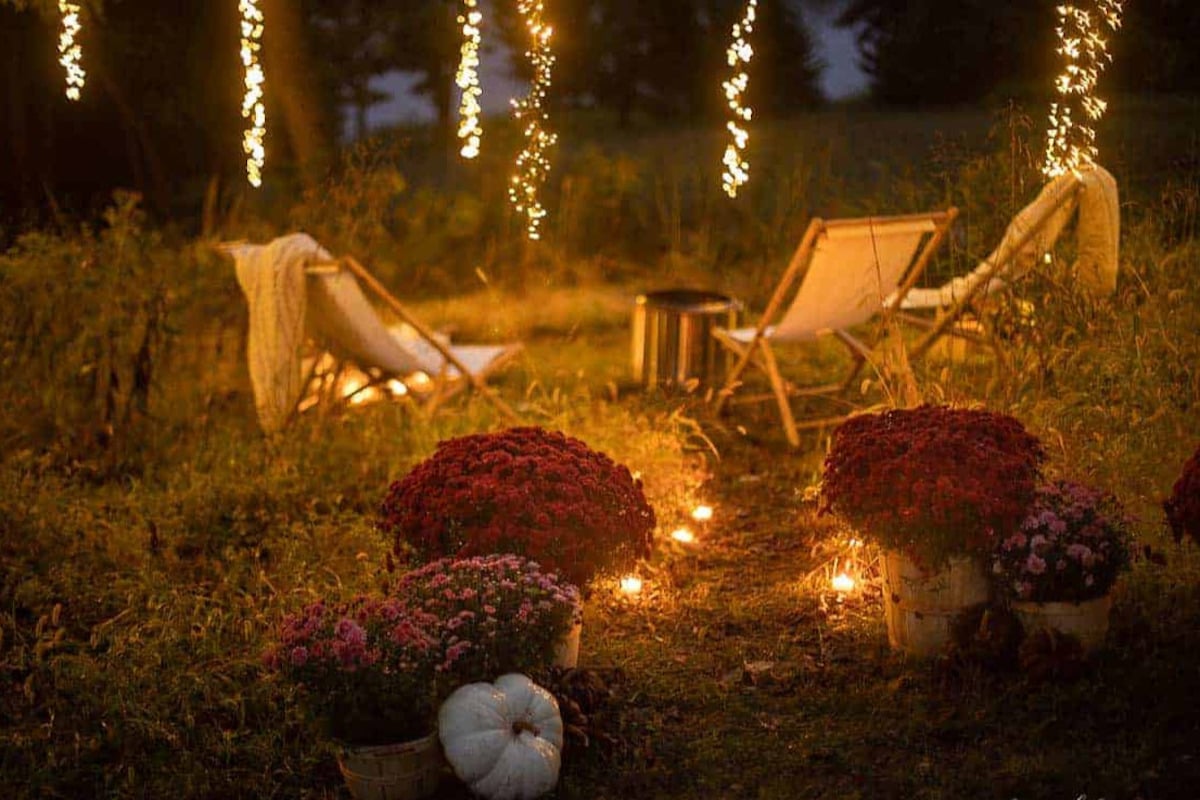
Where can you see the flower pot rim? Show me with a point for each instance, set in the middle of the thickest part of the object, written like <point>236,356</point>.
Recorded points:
<point>375,749</point>
<point>1107,596</point>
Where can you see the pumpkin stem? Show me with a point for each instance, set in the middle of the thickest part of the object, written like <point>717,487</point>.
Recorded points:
<point>522,725</point>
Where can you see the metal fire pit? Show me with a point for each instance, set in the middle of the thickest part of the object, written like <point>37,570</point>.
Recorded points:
<point>672,336</point>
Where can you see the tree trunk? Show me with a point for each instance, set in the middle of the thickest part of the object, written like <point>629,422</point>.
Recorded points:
<point>16,133</point>
<point>293,84</point>
<point>443,100</point>
<point>150,175</point>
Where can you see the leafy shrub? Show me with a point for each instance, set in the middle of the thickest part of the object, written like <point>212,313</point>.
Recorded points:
<point>527,491</point>
<point>84,320</point>
<point>932,481</point>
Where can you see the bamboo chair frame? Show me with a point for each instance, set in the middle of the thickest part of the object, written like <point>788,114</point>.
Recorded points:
<point>948,319</point>
<point>444,385</point>
<point>759,352</point>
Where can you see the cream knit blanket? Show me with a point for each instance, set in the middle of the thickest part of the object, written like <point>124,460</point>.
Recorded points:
<point>273,280</point>
<point>1098,232</point>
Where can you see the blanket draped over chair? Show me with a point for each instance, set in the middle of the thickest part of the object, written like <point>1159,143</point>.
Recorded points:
<point>296,290</point>
<point>1098,232</point>
<point>273,279</point>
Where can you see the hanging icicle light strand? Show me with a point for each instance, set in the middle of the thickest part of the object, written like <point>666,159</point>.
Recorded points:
<point>737,168</point>
<point>469,129</point>
<point>533,163</point>
<point>252,101</point>
<point>69,51</point>
<point>1071,139</point>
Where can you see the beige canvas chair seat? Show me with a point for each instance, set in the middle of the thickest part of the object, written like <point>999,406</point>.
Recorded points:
<point>296,287</point>
<point>838,278</point>
<point>1030,236</point>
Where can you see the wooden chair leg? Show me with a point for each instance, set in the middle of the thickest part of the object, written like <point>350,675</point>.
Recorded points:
<point>781,394</point>
<point>739,367</point>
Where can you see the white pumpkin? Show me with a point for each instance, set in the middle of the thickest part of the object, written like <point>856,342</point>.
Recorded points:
<point>504,739</point>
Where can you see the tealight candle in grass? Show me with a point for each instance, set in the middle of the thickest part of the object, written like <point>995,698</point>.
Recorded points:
<point>702,513</point>
<point>683,535</point>
<point>631,584</point>
<point>842,583</point>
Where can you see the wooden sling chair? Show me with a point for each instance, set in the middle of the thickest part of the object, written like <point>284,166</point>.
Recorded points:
<point>344,324</point>
<point>844,269</point>
<point>957,307</point>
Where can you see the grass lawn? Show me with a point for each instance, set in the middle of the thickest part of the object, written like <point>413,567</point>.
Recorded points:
<point>143,566</point>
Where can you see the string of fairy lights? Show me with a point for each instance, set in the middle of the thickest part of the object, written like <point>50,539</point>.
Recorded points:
<point>1071,139</point>
<point>253,110</point>
<point>470,131</point>
<point>737,168</point>
<point>70,53</point>
<point>533,163</point>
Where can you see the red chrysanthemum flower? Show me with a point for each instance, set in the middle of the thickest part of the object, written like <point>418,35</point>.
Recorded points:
<point>1183,506</point>
<point>529,491</point>
<point>932,481</point>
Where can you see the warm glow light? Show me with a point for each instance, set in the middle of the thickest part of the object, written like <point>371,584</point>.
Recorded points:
<point>470,131</point>
<point>69,51</point>
<point>420,380</point>
<point>397,388</point>
<point>702,513</point>
<point>1071,140</point>
<point>842,583</point>
<point>683,535</point>
<point>737,168</point>
<point>252,101</point>
<point>631,584</point>
<point>855,542</point>
<point>533,165</point>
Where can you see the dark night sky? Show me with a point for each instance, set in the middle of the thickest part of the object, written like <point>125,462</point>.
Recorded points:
<point>841,77</point>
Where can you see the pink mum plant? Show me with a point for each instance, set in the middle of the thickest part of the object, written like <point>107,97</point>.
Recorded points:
<point>1072,545</point>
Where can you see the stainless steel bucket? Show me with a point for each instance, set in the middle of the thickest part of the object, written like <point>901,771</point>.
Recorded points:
<point>672,337</point>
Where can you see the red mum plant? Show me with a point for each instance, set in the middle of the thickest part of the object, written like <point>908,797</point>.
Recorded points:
<point>528,491</point>
<point>366,668</point>
<point>1183,506</point>
<point>498,614</point>
<point>933,482</point>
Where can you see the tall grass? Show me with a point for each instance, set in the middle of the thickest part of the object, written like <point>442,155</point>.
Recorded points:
<point>137,591</point>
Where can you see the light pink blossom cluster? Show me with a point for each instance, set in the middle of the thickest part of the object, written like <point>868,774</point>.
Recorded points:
<point>366,667</point>
<point>372,668</point>
<point>497,613</point>
<point>1071,546</point>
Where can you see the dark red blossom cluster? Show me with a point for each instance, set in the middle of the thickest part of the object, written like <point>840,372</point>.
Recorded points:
<point>529,491</point>
<point>1183,506</point>
<point>933,481</point>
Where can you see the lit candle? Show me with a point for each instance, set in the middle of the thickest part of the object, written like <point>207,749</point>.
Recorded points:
<point>842,583</point>
<point>631,584</point>
<point>683,535</point>
<point>702,513</point>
